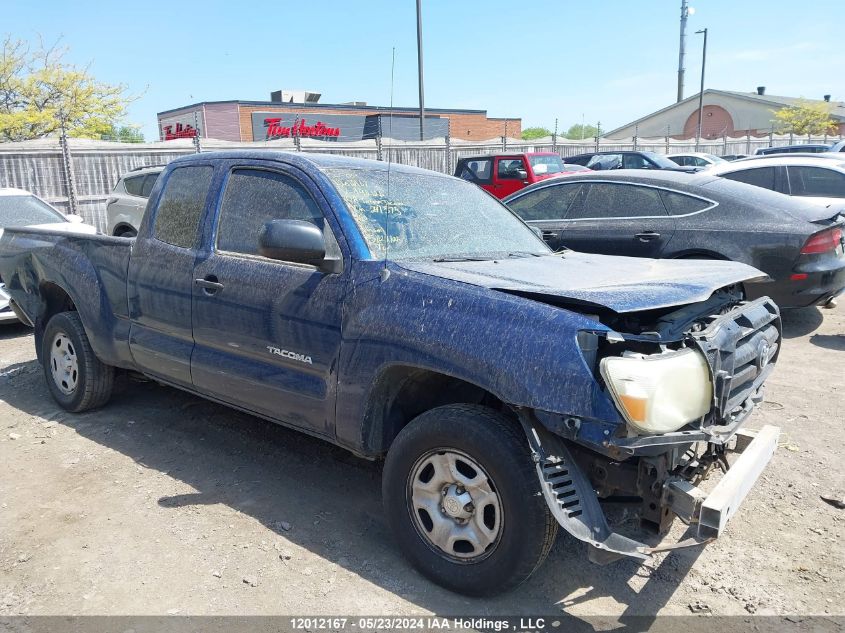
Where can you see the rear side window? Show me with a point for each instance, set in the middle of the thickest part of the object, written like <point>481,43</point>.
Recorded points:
<point>477,170</point>
<point>548,203</point>
<point>509,168</point>
<point>181,204</point>
<point>149,181</point>
<point>635,161</point>
<point>254,197</point>
<point>134,185</point>
<point>605,161</point>
<point>759,177</point>
<point>816,181</point>
<point>611,200</point>
<point>680,204</point>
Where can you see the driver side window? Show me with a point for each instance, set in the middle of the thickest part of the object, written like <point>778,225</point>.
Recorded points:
<point>509,168</point>
<point>254,197</point>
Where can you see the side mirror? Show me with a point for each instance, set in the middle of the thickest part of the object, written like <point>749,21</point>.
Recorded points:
<point>74,219</point>
<point>292,241</point>
<point>522,174</point>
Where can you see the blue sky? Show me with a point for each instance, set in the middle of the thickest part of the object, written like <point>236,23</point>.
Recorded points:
<point>610,61</point>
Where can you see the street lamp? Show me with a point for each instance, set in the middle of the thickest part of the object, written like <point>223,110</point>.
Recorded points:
<point>701,91</point>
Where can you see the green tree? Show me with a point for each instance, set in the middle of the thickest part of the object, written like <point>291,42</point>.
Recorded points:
<point>39,91</point>
<point>531,133</point>
<point>806,117</point>
<point>124,134</point>
<point>579,131</point>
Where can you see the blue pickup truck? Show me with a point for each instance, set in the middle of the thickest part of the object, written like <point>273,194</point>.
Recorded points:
<point>411,317</point>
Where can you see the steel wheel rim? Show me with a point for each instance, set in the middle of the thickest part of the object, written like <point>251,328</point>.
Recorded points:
<point>64,364</point>
<point>455,506</point>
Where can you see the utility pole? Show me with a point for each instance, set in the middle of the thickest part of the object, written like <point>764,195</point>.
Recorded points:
<point>701,91</point>
<point>420,69</point>
<point>685,12</point>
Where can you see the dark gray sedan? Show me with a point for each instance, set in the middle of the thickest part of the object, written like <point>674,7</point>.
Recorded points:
<point>665,214</point>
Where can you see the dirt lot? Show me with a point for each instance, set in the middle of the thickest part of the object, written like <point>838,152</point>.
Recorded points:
<point>162,503</point>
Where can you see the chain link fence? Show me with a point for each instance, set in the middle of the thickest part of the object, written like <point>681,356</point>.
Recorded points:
<point>76,175</point>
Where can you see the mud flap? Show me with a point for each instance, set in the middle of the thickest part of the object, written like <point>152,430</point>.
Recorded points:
<point>572,500</point>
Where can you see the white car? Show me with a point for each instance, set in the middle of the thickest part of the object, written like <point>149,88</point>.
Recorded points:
<point>128,200</point>
<point>21,208</point>
<point>696,159</point>
<point>820,179</point>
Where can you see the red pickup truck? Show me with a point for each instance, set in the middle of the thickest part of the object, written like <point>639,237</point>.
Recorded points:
<point>502,174</point>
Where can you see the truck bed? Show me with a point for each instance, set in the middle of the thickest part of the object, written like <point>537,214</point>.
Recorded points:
<point>92,268</point>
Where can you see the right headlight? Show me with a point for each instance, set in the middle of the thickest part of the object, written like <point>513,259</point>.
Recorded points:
<point>659,393</point>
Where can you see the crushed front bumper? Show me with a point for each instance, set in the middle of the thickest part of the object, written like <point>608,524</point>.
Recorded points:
<point>575,505</point>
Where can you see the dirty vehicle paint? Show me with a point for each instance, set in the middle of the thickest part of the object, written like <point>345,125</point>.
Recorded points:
<point>401,314</point>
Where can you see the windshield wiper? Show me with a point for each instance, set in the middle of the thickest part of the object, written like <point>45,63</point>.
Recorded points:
<point>460,258</point>
<point>525,254</point>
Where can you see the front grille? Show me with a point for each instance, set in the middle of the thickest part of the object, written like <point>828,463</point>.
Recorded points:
<point>741,347</point>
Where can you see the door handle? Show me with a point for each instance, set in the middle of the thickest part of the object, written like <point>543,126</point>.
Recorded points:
<point>547,235</point>
<point>209,284</point>
<point>647,236</point>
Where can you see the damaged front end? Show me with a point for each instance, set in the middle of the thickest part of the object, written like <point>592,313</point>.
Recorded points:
<point>684,381</point>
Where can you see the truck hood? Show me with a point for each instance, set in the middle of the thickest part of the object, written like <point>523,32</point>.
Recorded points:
<point>621,284</point>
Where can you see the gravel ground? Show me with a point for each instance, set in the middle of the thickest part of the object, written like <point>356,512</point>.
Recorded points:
<point>162,503</point>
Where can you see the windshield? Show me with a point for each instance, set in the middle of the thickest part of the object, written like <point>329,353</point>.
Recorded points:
<point>431,217</point>
<point>661,161</point>
<point>26,210</point>
<point>542,165</point>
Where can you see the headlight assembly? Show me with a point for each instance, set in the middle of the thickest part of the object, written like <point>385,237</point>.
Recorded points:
<point>659,393</point>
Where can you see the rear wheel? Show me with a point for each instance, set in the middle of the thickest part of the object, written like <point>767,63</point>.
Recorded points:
<point>126,232</point>
<point>76,378</point>
<point>463,499</point>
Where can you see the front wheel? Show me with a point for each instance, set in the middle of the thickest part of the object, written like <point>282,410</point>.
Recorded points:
<point>463,499</point>
<point>76,378</point>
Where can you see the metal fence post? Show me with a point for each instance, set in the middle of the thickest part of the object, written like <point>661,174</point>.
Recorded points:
<point>379,155</point>
<point>636,135</point>
<point>67,168</point>
<point>197,133</point>
<point>748,141</point>
<point>448,154</point>
<point>724,143</point>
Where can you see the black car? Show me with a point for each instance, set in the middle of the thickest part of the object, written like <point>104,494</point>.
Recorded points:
<point>793,149</point>
<point>601,161</point>
<point>698,216</point>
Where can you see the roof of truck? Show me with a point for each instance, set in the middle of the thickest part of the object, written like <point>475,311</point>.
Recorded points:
<point>308,159</point>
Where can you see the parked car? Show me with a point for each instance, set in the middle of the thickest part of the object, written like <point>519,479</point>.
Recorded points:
<point>625,160</point>
<point>701,216</point>
<point>695,159</point>
<point>410,316</point>
<point>838,147</point>
<point>817,179</point>
<point>502,174</point>
<point>807,148</point>
<point>19,207</point>
<point>127,201</point>
<point>732,157</point>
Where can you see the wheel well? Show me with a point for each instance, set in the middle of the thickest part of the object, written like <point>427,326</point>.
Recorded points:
<point>54,300</point>
<point>120,229</point>
<point>700,255</point>
<point>402,393</point>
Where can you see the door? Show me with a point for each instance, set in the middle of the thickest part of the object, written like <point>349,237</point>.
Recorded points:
<point>510,175</point>
<point>160,276</point>
<point>619,219</point>
<point>479,171</point>
<point>547,207</point>
<point>267,332</point>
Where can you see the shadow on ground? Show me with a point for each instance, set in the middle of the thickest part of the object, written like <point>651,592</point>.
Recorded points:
<point>801,321</point>
<point>274,474</point>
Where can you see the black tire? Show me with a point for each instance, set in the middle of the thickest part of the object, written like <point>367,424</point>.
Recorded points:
<point>91,384</point>
<point>126,232</point>
<point>499,446</point>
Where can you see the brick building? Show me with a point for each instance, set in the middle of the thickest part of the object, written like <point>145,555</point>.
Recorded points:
<point>290,114</point>
<point>724,113</point>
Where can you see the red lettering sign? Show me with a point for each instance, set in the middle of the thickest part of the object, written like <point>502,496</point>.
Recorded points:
<point>275,129</point>
<point>181,131</point>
